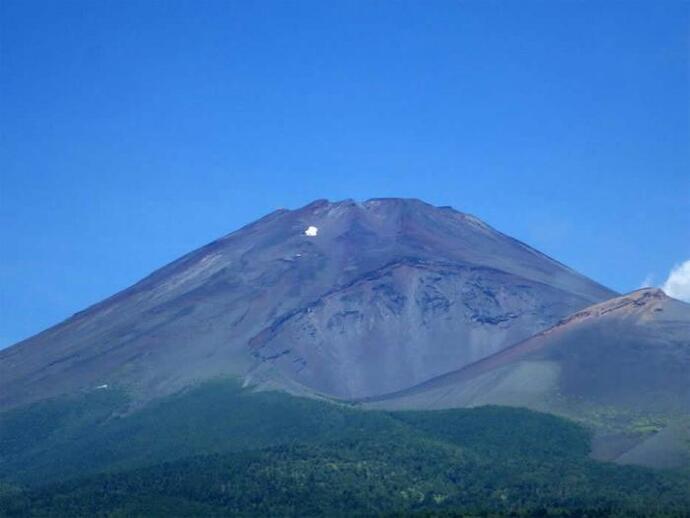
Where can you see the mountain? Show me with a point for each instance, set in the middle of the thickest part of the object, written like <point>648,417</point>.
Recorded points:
<point>620,366</point>
<point>344,300</point>
<point>181,395</point>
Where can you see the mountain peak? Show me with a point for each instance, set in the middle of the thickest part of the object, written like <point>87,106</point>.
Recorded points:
<point>383,203</point>
<point>390,284</point>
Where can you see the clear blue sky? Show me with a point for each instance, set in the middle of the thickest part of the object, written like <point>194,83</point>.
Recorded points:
<point>135,131</point>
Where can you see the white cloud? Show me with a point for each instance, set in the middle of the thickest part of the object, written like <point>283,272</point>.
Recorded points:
<point>311,231</point>
<point>648,282</point>
<point>678,283</point>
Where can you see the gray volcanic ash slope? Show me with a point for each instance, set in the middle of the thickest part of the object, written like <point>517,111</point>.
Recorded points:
<point>621,366</point>
<point>386,294</point>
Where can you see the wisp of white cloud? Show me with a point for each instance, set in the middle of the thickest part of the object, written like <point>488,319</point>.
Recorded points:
<point>648,282</point>
<point>678,283</point>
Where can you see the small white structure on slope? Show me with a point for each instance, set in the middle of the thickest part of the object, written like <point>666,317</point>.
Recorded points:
<point>311,231</point>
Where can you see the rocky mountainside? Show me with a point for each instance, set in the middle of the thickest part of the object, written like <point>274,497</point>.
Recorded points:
<point>344,299</point>
<point>621,366</point>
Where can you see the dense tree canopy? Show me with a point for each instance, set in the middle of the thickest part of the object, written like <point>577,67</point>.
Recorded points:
<point>219,450</point>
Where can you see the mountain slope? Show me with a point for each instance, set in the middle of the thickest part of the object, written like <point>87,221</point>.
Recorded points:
<point>219,450</point>
<point>621,366</point>
<point>386,286</point>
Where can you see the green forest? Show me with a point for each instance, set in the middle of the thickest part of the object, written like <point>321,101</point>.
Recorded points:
<point>219,450</point>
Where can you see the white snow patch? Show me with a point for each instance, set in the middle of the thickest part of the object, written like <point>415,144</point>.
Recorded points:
<point>101,387</point>
<point>311,231</point>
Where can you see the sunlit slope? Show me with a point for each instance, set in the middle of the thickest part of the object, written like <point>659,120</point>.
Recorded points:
<point>621,366</point>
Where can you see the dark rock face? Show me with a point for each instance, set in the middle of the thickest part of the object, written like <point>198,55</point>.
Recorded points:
<point>376,297</point>
<point>402,323</point>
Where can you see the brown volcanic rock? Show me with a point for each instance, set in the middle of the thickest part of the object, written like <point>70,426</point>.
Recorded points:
<point>388,293</point>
